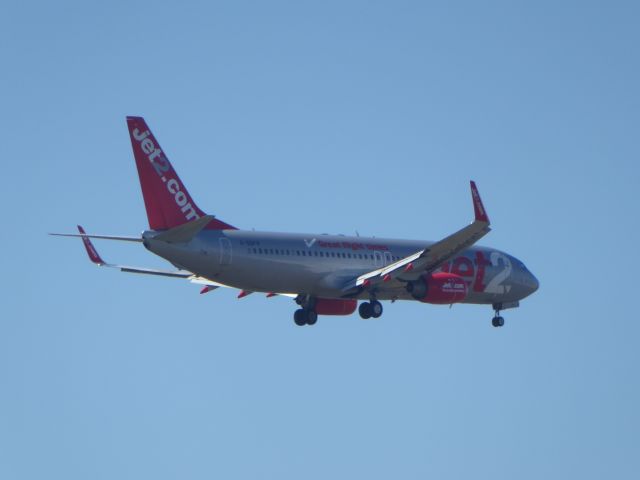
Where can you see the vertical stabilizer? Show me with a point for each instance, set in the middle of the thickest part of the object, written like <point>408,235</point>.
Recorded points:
<point>166,199</point>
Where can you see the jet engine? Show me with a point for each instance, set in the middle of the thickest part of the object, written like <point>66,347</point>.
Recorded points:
<point>439,288</point>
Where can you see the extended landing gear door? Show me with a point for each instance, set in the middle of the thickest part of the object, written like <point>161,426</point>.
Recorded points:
<point>225,251</point>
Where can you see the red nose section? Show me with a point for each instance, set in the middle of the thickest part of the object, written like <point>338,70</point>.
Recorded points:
<point>166,199</point>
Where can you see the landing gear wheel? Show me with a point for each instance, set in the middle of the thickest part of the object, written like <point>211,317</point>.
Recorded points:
<point>312,317</point>
<point>300,317</point>
<point>365,310</point>
<point>497,321</point>
<point>305,317</point>
<point>376,309</point>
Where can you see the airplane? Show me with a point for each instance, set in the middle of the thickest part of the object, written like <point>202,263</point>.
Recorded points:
<point>324,274</point>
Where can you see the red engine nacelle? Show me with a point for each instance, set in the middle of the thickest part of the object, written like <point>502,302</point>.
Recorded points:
<point>330,306</point>
<point>439,288</point>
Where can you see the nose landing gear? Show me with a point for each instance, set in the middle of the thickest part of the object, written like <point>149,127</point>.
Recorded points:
<point>497,320</point>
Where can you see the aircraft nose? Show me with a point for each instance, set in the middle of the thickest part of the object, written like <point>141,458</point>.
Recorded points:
<point>532,282</point>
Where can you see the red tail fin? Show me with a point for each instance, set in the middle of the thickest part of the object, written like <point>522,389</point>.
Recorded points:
<point>166,199</point>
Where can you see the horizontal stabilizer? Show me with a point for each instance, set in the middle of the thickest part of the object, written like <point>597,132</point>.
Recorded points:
<point>101,237</point>
<point>95,257</point>
<point>185,232</point>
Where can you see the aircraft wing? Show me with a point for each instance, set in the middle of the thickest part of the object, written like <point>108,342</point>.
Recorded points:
<point>428,259</point>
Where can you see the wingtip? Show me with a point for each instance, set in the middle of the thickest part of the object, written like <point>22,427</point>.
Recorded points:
<point>478,207</point>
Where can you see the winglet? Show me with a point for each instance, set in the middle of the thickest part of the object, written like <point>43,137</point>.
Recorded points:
<point>91,250</point>
<point>478,207</point>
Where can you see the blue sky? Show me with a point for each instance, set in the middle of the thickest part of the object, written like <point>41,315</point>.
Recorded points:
<point>321,117</point>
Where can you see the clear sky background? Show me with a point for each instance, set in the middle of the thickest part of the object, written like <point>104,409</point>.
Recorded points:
<point>321,117</point>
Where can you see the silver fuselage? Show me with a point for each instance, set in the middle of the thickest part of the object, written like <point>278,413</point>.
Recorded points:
<point>321,265</point>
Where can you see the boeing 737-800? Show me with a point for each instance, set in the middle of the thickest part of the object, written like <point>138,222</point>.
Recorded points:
<point>324,274</point>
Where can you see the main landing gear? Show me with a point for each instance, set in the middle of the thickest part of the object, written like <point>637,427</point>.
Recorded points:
<point>372,309</point>
<point>303,316</point>
<point>497,320</point>
<point>307,314</point>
